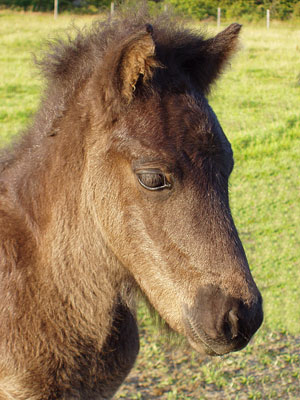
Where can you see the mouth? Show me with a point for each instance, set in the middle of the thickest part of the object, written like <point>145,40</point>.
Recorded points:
<point>197,342</point>
<point>203,344</point>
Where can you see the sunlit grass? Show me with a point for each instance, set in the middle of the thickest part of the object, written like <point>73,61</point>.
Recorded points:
<point>22,35</point>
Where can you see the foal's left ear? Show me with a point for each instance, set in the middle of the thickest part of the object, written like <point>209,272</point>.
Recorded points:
<point>208,61</point>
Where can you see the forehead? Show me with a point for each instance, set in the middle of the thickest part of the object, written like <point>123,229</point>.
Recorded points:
<point>173,125</point>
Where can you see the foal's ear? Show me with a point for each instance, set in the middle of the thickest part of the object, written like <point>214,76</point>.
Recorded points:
<point>131,61</point>
<point>206,64</point>
<point>137,61</point>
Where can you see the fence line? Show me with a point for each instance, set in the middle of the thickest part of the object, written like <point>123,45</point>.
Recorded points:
<point>55,8</point>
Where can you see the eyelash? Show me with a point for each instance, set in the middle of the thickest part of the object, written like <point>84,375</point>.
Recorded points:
<point>157,180</point>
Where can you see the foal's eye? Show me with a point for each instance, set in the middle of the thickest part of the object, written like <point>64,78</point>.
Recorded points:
<point>153,180</point>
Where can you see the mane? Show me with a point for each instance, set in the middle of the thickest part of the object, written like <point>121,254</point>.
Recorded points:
<point>68,63</point>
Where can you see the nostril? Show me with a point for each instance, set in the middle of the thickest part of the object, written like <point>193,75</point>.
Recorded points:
<point>233,324</point>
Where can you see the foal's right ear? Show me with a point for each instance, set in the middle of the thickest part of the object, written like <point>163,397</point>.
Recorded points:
<point>131,61</point>
<point>137,60</point>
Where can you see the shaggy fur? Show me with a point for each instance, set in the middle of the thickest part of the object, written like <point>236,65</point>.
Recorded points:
<point>80,235</point>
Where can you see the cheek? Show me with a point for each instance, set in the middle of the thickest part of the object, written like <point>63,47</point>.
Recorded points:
<point>117,202</point>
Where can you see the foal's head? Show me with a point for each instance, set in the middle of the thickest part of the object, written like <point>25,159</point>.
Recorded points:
<point>159,165</point>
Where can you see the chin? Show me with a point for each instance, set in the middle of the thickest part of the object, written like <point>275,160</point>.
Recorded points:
<point>202,348</point>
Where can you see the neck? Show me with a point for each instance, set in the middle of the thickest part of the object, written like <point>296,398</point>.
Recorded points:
<point>71,302</point>
<point>75,270</point>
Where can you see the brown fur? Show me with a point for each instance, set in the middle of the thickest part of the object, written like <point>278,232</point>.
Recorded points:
<point>80,235</point>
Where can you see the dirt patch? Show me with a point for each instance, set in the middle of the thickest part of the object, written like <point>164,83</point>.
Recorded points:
<point>268,368</point>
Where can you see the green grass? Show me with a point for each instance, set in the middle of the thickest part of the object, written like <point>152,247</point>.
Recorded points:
<point>22,35</point>
<point>257,102</point>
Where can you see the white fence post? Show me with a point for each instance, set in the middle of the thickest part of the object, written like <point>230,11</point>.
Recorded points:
<point>268,19</point>
<point>219,17</point>
<point>55,8</point>
<point>112,8</point>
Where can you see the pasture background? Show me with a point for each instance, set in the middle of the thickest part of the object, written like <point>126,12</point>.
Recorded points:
<point>257,102</point>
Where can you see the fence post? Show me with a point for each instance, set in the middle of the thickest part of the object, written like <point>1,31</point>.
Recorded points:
<point>112,8</point>
<point>55,8</point>
<point>219,17</point>
<point>268,19</point>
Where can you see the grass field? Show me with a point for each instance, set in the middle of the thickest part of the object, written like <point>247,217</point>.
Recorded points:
<point>258,105</point>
